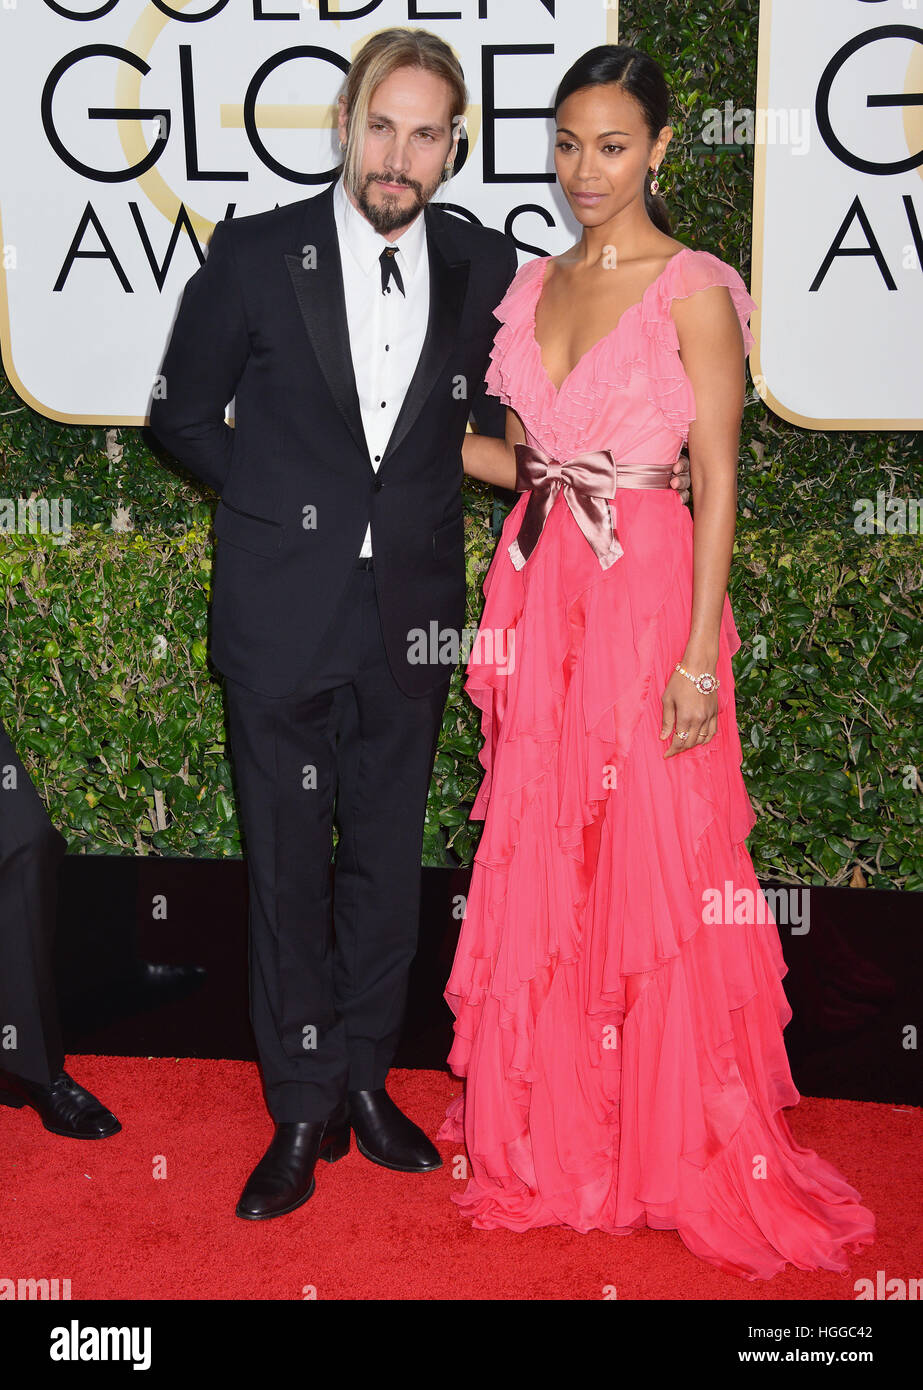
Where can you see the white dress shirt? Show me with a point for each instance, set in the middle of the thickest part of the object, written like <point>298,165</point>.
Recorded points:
<point>386,331</point>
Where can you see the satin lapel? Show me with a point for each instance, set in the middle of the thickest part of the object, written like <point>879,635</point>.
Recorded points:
<point>322,303</point>
<point>448,282</point>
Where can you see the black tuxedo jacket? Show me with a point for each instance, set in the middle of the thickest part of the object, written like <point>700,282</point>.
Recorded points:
<point>264,321</point>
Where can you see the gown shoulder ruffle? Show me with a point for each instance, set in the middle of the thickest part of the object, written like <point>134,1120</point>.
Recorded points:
<point>646,347</point>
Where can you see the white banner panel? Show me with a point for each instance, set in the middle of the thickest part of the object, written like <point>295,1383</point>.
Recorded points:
<point>838,211</point>
<point>130,128</point>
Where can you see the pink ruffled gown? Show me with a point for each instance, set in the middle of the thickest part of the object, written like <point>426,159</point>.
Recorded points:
<point>596,852</point>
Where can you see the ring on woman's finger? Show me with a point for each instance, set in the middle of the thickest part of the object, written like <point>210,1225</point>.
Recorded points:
<point>682,736</point>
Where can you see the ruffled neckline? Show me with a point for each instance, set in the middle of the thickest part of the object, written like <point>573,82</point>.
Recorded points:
<point>643,344</point>
<point>539,285</point>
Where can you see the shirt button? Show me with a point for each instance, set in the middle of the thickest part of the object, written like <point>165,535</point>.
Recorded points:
<point>378,458</point>
<point>387,347</point>
<point>383,404</point>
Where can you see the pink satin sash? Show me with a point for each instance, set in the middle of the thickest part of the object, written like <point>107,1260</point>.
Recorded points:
<point>588,482</point>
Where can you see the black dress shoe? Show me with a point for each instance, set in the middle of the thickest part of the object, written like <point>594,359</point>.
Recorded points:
<point>386,1136</point>
<point>283,1180</point>
<point>63,1106</point>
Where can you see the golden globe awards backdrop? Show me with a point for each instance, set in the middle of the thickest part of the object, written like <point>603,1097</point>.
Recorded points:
<point>838,208</point>
<point>132,126</point>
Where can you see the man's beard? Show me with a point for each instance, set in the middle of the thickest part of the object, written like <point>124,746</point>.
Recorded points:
<point>388,216</point>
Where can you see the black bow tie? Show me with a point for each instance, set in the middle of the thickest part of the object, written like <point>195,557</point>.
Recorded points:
<point>390,271</point>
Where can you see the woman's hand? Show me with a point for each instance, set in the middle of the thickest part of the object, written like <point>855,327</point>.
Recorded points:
<point>687,711</point>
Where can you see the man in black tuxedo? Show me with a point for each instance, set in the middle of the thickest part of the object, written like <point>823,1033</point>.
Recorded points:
<point>353,331</point>
<point>325,707</point>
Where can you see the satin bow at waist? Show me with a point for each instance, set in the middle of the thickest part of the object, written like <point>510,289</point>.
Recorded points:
<point>588,482</point>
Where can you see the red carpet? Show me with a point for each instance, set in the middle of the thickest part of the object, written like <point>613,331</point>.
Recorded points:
<point>95,1213</point>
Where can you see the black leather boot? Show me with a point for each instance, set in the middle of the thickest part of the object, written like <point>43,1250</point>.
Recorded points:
<point>386,1136</point>
<point>283,1180</point>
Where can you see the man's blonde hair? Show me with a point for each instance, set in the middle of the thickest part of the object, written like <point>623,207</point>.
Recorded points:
<point>383,54</point>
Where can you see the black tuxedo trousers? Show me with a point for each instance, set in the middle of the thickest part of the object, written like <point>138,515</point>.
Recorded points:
<point>328,979</point>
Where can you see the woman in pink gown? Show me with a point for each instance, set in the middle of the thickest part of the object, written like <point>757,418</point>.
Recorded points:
<point>622,1049</point>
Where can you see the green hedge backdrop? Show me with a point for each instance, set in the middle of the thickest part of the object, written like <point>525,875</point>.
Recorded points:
<point>105,688</point>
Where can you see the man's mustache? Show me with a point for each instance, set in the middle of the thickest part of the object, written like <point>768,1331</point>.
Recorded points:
<point>404,183</point>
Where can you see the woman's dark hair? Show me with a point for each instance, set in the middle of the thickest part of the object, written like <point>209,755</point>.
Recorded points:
<point>642,78</point>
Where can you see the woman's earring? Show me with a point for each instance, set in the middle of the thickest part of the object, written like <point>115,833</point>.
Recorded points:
<point>655,183</point>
